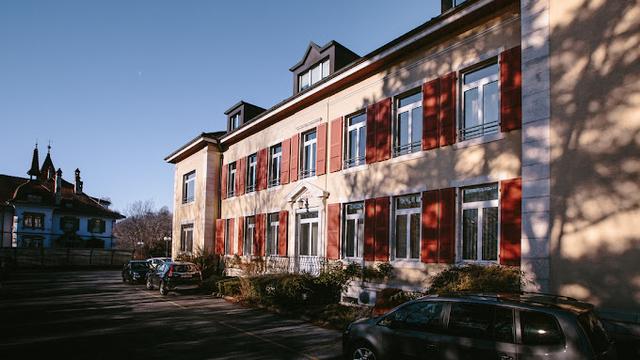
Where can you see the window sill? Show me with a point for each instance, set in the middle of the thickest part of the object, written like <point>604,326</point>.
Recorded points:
<point>274,188</point>
<point>407,263</point>
<point>408,157</point>
<point>308,178</point>
<point>355,169</point>
<point>479,140</point>
<point>252,193</point>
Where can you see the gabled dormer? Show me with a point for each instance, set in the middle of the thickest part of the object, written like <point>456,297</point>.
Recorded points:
<point>241,113</point>
<point>320,62</point>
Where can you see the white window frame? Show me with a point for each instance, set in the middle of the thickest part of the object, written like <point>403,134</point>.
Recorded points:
<point>247,244</point>
<point>322,66</point>
<point>231,181</point>
<point>252,171</point>
<point>184,229</point>
<point>310,221</point>
<point>309,170</point>
<point>479,205</point>
<point>484,129</point>
<point>359,159</point>
<point>186,182</point>
<point>408,213</point>
<point>275,158</point>
<point>274,228</point>
<point>358,245</point>
<point>398,149</point>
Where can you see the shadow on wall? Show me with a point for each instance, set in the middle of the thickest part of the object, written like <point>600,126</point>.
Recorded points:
<point>595,151</point>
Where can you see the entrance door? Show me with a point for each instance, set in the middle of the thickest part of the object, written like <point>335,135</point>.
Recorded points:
<point>307,231</point>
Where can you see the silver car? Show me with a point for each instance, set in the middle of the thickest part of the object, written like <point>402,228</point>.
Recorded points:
<point>523,326</point>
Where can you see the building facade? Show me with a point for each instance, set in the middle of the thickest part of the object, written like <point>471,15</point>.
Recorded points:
<point>492,134</point>
<point>45,211</point>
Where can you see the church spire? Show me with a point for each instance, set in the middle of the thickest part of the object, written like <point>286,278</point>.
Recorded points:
<point>35,164</point>
<point>47,171</point>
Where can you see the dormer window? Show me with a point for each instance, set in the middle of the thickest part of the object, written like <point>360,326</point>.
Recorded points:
<point>450,4</point>
<point>234,121</point>
<point>313,75</point>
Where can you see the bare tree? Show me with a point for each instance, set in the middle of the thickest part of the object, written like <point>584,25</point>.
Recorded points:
<point>144,229</point>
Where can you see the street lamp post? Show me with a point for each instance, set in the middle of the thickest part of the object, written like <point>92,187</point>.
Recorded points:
<point>166,239</point>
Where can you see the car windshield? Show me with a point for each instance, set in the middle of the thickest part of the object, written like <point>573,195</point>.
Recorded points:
<point>595,332</point>
<point>139,266</point>
<point>184,268</point>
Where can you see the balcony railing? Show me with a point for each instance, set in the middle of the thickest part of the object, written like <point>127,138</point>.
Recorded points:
<point>479,130</point>
<point>407,148</point>
<point>250,188</point>
<point>305,173</point>
<point>356,161</point>
<point>274,182</point>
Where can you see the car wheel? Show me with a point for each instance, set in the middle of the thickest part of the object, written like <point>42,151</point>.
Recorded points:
<point>149,284</point>
<point>363,352</point>
<point>163,288</point>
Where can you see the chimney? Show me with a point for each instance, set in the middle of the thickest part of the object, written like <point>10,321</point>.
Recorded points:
<point>58,186</point>
<point>78,187</point>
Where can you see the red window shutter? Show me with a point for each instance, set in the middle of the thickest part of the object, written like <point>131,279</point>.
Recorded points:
<point>335,160</point>
<point>231,233</point>
<point>333,231</point>
<point>295,152</point>
<point>447,109</point>
<point>284,166</point>
<point>283,226</point>
<point>219,247</point>
<point>447,226</point>
<point>261,175</point>
<point>382,229</point>
<point>241,175</point>
<point>371,155</point>
<point>321,155</point>
<point>430,224</point>
<point>259,241</point>
<point>369,229</point>
<point>383,130</point>
<point>223,181</point>
<point>511,89</point>
<point>510,221</point>
<point>240,235</point>
<point>430,113</point>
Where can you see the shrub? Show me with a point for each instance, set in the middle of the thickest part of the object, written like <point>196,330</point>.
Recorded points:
<point>477,278</point>
<point>207,262</point>
<point>229,287</point>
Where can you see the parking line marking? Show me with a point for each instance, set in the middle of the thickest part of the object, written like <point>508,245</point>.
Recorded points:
<point>290,349</point>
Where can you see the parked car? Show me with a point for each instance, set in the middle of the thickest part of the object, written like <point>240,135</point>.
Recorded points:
<point>135,271</point>
<point>506,327</point>
<point>155,262</point>
<point>174,276</point>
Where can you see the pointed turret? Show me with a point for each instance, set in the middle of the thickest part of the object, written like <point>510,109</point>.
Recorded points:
<point>35,164</point>
<point>48,170</point>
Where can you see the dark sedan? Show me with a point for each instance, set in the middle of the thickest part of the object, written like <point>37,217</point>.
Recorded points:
<point>135,271</point>
<point>174,276</point>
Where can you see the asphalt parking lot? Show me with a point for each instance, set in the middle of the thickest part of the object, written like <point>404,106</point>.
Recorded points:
<point>92,314</point>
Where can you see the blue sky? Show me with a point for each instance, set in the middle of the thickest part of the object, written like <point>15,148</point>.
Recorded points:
<point>117,85</point>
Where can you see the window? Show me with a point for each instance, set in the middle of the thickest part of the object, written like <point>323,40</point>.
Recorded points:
<point>408,124</point>
<point>308,154</point>
<point>69,224</point>
<point>313,75</point>
<point>273,225</point>
<point>231,182</point>
<point>234,121</point>
<point>356,140</point>
<point>96,226</point>
<point>482,321</point>
<point>251,173</point>
<point>308,233</point>
<point>276,163</point>
<point>407,227</point>
<point>188,187</point>
<point>595,331</point>
<point>480,223</point>
<point>33,220</point>
<point>353,230</point>
<point>227,237</point>
<point>249,235</point>
<point>480,102</point>
<point>540,329</point>
<point>420,316</point>
<point>186,238</point>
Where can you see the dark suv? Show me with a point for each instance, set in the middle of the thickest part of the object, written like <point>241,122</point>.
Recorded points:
<point>497,327</point>
<point>174,276</point>
<point>135,271</point>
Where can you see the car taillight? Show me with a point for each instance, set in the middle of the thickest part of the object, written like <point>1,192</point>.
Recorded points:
<point>170,274</point>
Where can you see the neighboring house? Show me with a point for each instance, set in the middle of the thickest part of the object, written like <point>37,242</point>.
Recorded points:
<point>46,211</point>
<point>500,132</point>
